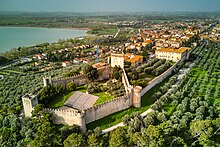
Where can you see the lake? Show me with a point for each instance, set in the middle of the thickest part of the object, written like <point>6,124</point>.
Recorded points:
<point>13,37</point>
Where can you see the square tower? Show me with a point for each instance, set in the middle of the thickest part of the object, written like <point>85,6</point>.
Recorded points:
<point>117,60</point>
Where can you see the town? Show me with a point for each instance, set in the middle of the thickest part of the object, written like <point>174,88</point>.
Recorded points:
<point>162,75</point>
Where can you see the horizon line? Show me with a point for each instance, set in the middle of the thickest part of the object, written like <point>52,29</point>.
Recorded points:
<point>170,11</point>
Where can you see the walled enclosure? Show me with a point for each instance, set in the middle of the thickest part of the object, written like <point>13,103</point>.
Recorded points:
<point>81,118</point>
<point>70,116</point>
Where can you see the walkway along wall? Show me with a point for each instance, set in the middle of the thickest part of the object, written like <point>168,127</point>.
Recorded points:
<point>125,81</point>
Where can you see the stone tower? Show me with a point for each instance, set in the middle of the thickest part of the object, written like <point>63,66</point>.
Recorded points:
<point>137,96</point>
<point>117,60</point>
<point>47,81</point>
<point>81,121</point>
<point>29,102</point>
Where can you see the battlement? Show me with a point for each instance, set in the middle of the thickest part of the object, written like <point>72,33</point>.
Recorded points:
<point>61,112</point>
<point>115,100</point>
<point>69,78</point>
<point>30,96</point>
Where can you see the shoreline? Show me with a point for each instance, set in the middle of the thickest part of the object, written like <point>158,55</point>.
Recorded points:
<point>33,45</point>
<point>66,28</point>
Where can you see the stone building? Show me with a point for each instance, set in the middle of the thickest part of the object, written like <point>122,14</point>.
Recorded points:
<point>120,59</point>
<point>172,54</point>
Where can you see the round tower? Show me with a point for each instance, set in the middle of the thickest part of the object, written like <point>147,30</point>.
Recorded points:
<point>137,96</point>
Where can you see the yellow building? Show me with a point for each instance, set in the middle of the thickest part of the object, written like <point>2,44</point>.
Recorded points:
<point>119,59</point>
<point>135,60</point>
<point>172,53</point>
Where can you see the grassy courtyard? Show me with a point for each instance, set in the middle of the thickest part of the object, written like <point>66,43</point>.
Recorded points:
<point>103,97</point>
<point>60,100</point>
<point>117,117</point>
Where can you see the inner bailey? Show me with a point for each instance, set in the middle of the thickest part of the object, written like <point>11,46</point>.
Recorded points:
<point>81,118</point>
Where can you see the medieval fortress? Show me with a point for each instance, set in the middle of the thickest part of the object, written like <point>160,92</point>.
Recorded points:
<point>69,116</point>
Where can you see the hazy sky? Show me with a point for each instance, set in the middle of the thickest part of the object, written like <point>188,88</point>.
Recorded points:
<point>109,5</point>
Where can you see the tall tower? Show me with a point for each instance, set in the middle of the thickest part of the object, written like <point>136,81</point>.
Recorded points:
<point>29,102</point>
<point>117,60</point>
<point>137,96</point>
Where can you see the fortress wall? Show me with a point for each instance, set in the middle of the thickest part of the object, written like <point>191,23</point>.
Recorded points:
<point>158,79</point>
<point>107,108</point>
<point>104,73</point>
<point>78,80</point>
<point>125,81</point>
<point>66,117</point>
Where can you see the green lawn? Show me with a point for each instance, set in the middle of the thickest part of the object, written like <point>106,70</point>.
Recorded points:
<point>60,100</point>
<point>110,31</point>
<point>117,117</point>
<point>103,97</point>
<point>143,76</point>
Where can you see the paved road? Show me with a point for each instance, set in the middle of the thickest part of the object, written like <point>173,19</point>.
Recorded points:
<point>117,33</point>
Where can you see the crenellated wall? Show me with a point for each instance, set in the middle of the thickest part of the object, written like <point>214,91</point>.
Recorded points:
<point>67,117</point>
<point>78,80</point>
<point>103,72</point>
<point>107,108</point>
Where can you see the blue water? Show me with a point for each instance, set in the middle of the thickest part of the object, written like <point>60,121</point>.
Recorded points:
<point>13,37</point>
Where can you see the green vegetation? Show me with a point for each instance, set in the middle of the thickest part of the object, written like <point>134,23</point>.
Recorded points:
<point>154,67</point>
<point>191,116</point>
<point>169,109</point>
<point>59,100</point>
<point>13,71</point>
<point>103,97</point>
<point>107,30</point>
<point>188,115</point>
<point>117,117</point>
<point>90,72</point>
<point>4,73</point>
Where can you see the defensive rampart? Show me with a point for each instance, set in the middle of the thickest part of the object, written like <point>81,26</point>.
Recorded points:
<point>107,108</point>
